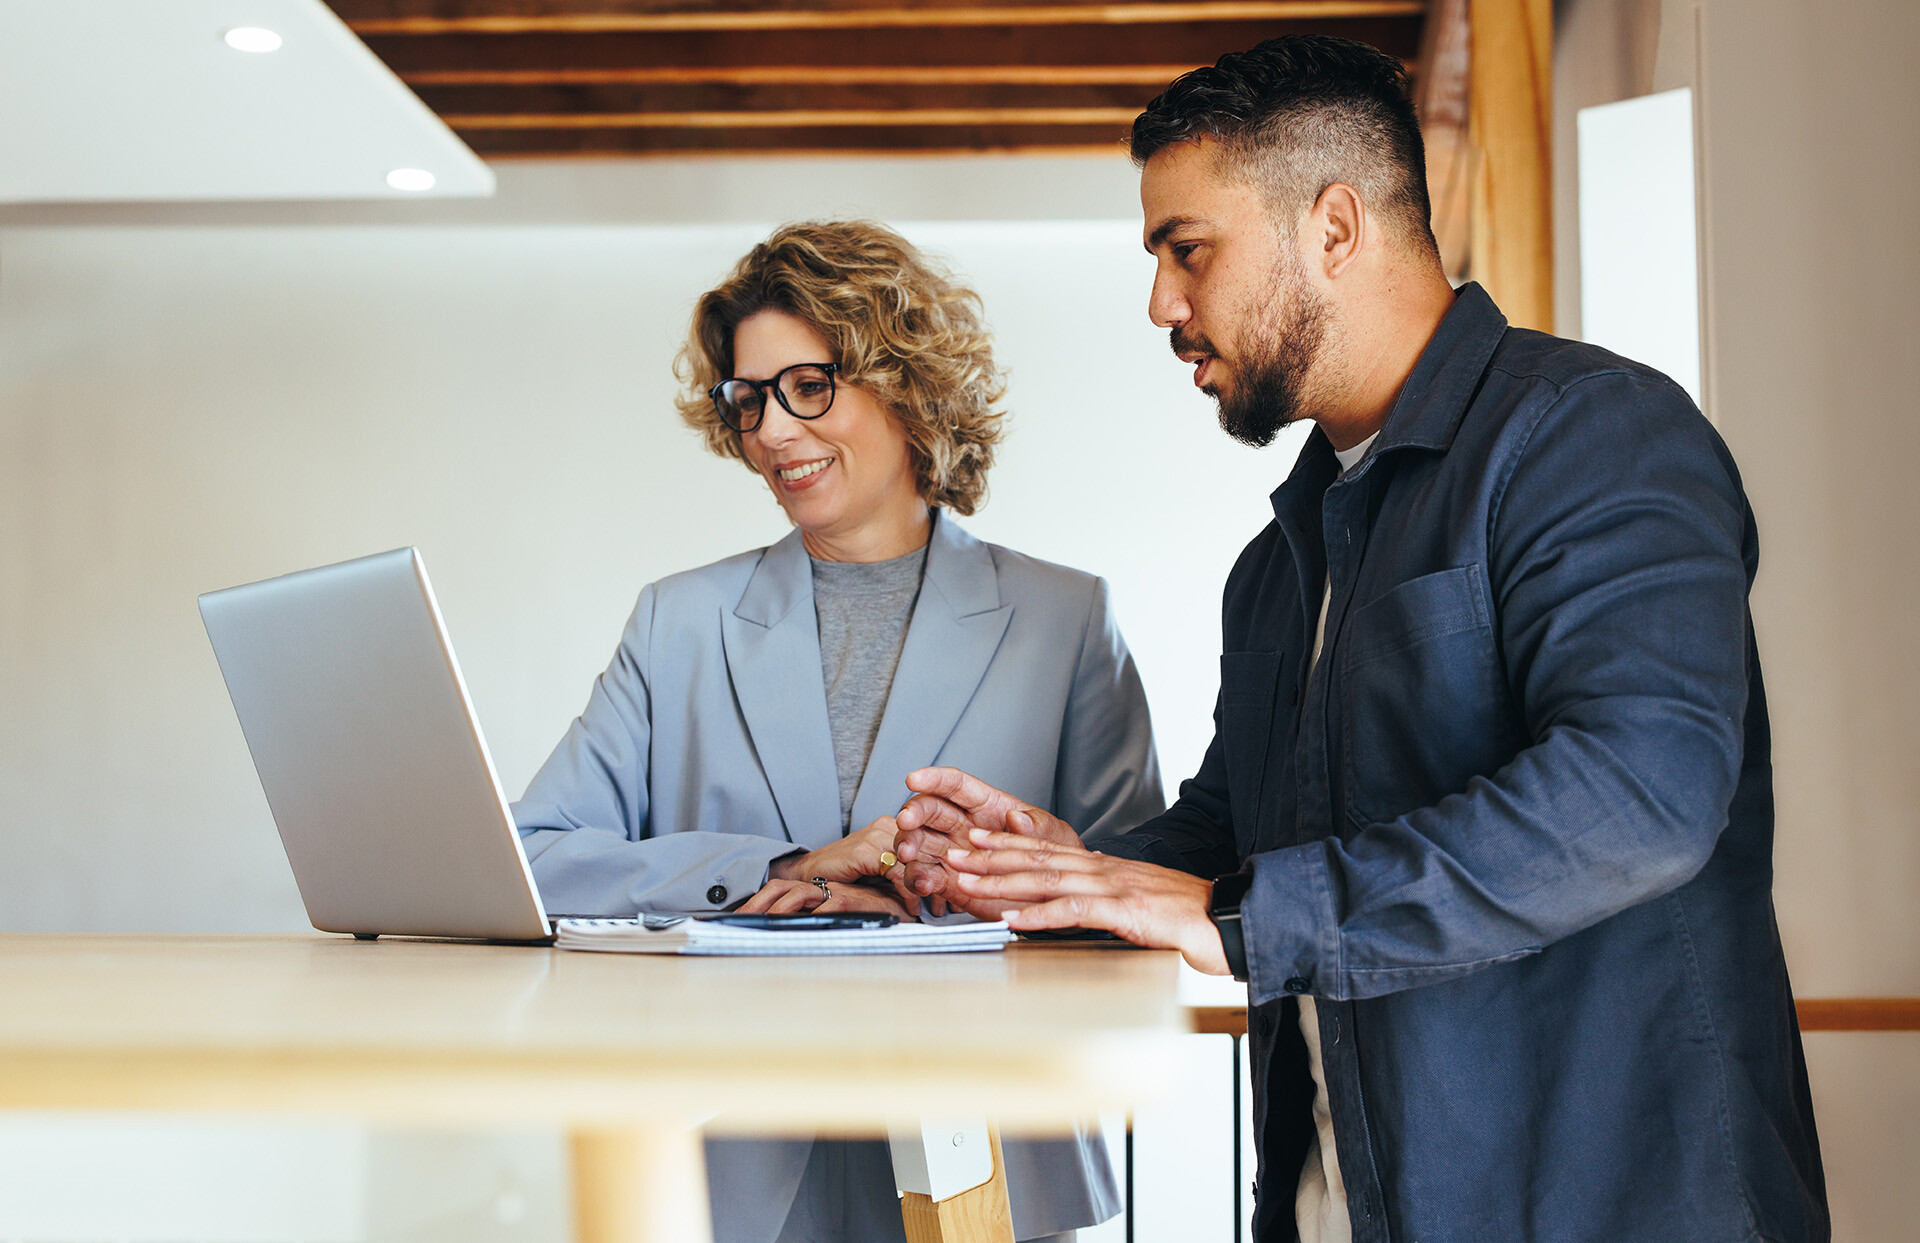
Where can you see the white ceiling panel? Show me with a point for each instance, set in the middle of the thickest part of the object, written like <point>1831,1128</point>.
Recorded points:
<point>143,100</point>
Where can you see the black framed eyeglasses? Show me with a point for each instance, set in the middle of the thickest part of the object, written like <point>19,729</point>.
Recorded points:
<point>804,390</point>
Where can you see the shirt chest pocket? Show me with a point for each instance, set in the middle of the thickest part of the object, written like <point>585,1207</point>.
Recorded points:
<point>1251,686</point>
<point>1423,700</point>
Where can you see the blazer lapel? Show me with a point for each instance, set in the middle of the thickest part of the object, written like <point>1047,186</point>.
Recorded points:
<point>772,643</point>
<point>957,627</point>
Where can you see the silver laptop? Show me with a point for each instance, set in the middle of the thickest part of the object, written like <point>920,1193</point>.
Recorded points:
<point>372,761</point>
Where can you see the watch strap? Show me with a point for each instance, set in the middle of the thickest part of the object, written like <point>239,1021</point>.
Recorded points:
<point>1223,908</point>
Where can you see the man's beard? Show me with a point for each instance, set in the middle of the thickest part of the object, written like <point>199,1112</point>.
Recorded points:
<point>1276,353</point>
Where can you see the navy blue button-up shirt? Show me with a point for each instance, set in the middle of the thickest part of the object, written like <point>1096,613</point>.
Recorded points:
<point>1514,830</point>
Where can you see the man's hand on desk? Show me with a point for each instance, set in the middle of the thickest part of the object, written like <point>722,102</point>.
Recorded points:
<point>946,804</point>
<point>996,857</point>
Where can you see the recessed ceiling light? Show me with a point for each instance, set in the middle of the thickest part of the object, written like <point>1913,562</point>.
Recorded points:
<point>252,39</point>
<point>412,180</point>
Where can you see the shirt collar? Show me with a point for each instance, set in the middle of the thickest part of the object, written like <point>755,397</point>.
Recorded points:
<point>1431,404</point>
<point>1435,397</point>
<point>1349,457</point>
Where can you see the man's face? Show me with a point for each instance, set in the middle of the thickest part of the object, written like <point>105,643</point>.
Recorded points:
<point>1230,287</point>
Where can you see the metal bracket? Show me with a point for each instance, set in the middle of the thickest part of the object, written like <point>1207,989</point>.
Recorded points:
<point>940,1157</point>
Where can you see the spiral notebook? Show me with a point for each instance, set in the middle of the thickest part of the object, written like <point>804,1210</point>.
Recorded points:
<point>656,934</point>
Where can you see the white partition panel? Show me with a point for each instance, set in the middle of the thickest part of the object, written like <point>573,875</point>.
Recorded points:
<point>78,1178</point>
<point>1639,254</point>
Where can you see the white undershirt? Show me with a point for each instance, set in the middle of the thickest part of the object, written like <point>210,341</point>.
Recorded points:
<point>1320,1203</point>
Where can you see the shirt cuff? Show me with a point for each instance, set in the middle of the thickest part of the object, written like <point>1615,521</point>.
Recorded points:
<point>1291,931</point>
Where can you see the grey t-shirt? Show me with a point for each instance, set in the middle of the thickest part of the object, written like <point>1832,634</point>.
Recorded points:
<point>863,608</point>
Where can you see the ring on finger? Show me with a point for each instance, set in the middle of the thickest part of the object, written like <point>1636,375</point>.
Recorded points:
<point>888,860</point>
<point>821,881</point>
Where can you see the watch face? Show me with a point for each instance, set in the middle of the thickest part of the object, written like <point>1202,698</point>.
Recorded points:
<point>1228,891</point>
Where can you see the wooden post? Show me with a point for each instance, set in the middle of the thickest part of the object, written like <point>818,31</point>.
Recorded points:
<point>1512,126</point>
<point>1444,96</point>
<point>640,1185</point>
<point>977,1216</point>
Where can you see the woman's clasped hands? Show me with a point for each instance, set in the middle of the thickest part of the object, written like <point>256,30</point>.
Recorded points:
<point>856,873</point>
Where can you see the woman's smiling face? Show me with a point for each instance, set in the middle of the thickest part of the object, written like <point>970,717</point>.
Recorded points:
<point>846,478</point>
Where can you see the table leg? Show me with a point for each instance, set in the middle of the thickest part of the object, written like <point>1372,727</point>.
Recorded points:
<point>640,1184</point>
<point>979,1215</point>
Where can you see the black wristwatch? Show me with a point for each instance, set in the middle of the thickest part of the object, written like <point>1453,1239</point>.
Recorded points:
<point>1224,910</point>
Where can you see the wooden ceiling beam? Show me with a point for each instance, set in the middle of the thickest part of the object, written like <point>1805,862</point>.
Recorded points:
<point>742,17</point>
<point>823,140</point>
<point>751,99</point>
<point>749,102</point>
<point>814,75</point>
<point>797,118</point>
<point>1074,47</point>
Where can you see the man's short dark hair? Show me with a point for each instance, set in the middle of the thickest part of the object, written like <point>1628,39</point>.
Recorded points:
<point>1298,113</point>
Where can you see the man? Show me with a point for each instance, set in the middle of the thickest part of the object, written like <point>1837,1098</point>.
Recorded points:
<point>1489,799</point>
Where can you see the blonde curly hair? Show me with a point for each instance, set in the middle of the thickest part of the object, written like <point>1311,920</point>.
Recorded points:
<point>901,327</point>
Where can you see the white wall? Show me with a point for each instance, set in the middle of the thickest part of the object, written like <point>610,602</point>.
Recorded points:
<point>1811,321</point>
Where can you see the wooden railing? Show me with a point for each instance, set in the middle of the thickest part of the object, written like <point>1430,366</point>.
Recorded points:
<point>1859,1014</point>
<point>1817,1014</point>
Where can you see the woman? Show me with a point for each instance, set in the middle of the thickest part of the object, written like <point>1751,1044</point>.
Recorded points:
<point>749,742</point>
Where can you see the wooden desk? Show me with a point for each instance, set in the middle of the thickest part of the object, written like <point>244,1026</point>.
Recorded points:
<point>630,1052</point>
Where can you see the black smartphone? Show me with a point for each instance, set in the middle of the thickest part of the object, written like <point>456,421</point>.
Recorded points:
<point>806,921</point>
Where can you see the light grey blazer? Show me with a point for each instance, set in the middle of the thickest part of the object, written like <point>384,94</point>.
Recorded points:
<point>704,753</point>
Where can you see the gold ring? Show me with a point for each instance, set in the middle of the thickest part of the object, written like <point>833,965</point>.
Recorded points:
<point>887,860</point>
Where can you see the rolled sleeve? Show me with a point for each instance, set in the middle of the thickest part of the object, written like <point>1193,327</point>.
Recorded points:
<point>1290,924</point>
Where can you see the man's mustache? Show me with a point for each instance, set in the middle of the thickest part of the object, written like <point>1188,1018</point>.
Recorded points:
<point>1184,344</point>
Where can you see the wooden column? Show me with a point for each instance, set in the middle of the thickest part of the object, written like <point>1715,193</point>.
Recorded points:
<point>1444,96</point>
<point>1512,126</point>
<point>640,1185</point>
<point>977,1216</point>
